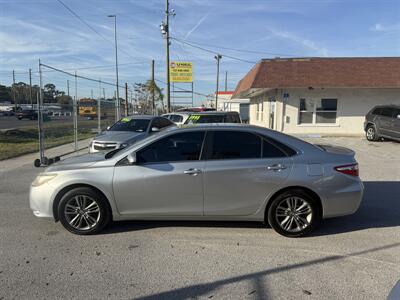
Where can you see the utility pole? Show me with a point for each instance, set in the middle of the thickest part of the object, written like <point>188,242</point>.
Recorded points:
<point>165,31</point>
<point>226,81</point>
<point>167,44</point>
<point>75,114</point>
<point>217,57</point>
<point>68,91</point>
<point>99,109</point>
<point>30,87</point>
<point>117,112</point>
<point>40,119</point>
<point>13,92</point>
<point>126,100</point>
<point>152,88</point>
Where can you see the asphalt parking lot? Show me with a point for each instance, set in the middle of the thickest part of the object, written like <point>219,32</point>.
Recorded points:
<point>354,257</point>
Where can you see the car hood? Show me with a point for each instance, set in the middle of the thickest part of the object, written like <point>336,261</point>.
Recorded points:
<point>76,162</point>
<point>119,136</point>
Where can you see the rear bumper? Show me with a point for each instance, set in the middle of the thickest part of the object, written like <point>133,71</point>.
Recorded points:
<point>344,201</point>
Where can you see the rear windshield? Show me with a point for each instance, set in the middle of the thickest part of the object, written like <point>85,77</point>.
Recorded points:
<point>134,125</point>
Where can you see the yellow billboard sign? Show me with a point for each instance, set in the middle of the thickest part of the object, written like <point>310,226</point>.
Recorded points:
<point>181,71</point>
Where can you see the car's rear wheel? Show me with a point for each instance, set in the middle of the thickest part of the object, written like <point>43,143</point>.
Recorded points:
<point>84,211</point>
<point>371,134</point>
<point>294,213</point>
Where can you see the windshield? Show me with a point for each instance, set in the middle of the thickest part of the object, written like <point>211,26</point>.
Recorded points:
<point>134,125</point>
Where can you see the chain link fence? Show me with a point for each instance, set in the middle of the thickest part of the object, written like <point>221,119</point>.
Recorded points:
<point>73,108</point>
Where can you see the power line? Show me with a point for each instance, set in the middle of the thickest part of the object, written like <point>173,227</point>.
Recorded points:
<point>236,49</point>
<point>182,89</point>
<point>213,52</point>
<point>90,27</point>
<point>77,69</point>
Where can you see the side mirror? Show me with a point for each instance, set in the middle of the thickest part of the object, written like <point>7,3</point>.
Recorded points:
<point>155,129</point>
<point>131,158</point>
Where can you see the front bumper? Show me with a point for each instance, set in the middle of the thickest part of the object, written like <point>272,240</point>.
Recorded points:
<point>40,201</point>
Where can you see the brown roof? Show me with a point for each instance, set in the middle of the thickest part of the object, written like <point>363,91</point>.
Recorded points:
<point>322,72</point>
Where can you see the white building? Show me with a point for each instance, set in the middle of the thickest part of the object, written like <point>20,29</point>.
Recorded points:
<point>319,95</point>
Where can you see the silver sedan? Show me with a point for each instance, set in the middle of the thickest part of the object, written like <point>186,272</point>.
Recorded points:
<point>205,172</point>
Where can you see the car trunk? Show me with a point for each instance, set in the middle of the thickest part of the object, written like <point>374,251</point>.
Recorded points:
<point>336,149</point>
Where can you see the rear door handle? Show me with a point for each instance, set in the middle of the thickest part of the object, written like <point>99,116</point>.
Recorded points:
<point>192,171</point>
<point>276,167</point>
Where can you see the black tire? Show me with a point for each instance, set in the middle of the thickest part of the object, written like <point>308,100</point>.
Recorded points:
<point>102,203</point>
<point>313,218</point>
<point>371,134</point>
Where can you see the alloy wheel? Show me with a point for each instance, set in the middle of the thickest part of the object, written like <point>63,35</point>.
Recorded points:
<point>82,212</point>
<point>370,133</point>
<point>293,214</point>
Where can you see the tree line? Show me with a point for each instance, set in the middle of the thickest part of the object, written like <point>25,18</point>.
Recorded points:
<point>24,94</point>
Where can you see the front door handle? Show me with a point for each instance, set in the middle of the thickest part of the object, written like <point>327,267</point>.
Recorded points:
<point>192,171</point>
<point>276,167</point>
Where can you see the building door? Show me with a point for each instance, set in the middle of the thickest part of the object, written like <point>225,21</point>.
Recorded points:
<point>272,102</point>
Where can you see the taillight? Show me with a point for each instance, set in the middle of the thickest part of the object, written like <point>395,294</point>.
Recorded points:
<point>348,169</point>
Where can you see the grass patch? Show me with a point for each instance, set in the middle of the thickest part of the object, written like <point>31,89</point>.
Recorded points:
<point>17,142</point>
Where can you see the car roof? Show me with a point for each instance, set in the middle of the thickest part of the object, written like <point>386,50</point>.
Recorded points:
<point>387,105</point>
<point>214,113</point>
<point>146,117</point>
<point>184,113</point>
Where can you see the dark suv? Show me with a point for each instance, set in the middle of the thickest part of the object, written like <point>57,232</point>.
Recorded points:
<point>383,122</point>
<point>214,117</point>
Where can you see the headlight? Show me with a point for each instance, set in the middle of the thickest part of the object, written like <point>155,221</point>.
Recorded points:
<point>42,178</point>
<point>124,145</point>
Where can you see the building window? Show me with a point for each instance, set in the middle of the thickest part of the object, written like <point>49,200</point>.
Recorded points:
<point>306,112</point>
<point>260,111</point>
<point>324,111</point>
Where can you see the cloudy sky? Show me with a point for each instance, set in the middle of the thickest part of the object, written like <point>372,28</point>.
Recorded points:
<point>245,29</point>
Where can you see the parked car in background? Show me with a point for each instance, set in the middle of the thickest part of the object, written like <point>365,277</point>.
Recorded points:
<point>127,131</point>
<point>205,172</point>
<point>214,117</point>
<point>27,114</point>
<point>178,118</point>
<point>383,122</point>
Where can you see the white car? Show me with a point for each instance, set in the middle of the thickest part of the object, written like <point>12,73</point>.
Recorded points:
<point>177,118</point>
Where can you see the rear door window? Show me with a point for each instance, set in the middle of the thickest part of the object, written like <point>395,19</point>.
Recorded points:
<point>234,145</point>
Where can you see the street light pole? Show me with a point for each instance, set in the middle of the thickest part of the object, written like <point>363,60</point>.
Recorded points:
<point>117,112</point>
<point>167,45</point>
<point>217,57</point>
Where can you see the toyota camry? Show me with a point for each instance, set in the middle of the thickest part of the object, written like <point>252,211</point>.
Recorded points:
<point>203,172</point>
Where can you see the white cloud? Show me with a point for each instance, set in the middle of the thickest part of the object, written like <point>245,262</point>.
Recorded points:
<point>196,26</point>
<point>294,38</point>
<point>378,27</point>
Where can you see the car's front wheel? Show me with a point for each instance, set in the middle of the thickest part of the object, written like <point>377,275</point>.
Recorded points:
<point>371,134</point>
<point>294,213</point>
<point>84,211</point>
